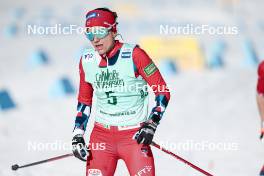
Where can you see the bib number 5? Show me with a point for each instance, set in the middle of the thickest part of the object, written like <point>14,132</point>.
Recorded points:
<point>110,98</point>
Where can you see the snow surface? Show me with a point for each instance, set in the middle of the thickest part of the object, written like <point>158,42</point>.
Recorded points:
<point>215,106</point>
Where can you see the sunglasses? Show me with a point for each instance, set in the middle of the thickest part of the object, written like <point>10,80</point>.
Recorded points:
<point>99,33</point>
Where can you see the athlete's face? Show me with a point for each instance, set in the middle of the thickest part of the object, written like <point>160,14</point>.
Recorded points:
<point>105,44</point>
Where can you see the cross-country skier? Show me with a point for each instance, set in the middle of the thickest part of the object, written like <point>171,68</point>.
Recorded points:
<point>117,74</point>
<point>260,102</point>
<point>260,96</point>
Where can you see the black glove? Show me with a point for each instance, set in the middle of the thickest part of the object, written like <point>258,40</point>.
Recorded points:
<point>262,130</point>
<point>261,134</point>
<point>146,132</point>
<point>79,148</point>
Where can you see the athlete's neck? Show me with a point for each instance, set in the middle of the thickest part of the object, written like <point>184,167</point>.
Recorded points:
<point>112,52</point>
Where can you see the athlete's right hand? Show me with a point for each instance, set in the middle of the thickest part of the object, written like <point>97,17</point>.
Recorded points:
<point>146,133</point>
<point>79,148</point>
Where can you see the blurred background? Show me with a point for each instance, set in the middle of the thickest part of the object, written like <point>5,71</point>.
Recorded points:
<point>212,78</point>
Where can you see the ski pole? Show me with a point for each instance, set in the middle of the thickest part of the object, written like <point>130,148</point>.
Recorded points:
<point>16,166</point>
<point>181,159</point>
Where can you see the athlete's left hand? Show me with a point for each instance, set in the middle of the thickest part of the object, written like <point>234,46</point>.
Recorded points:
<point>262,130</point>
<point>146,132</point>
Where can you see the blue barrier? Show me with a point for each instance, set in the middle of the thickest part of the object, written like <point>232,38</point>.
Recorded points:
<point>251,58</point>
<point>6,101</point>
<point>38,58</point>
<point>167,67</point>
<point>10,30</point>
<point>47,13</point>
<point>215,54</point>
<point>61,88</point>
<point>18,13</point>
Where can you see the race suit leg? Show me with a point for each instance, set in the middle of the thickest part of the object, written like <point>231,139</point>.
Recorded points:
<point>103,158</point>
<point>138,157</point>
